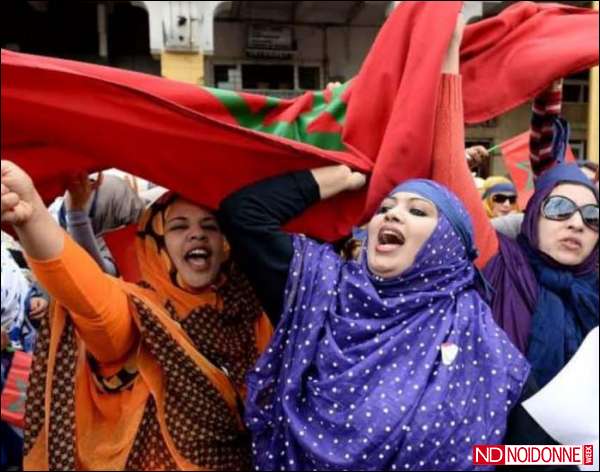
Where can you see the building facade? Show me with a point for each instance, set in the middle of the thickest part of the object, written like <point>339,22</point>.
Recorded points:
<point>278,48</point>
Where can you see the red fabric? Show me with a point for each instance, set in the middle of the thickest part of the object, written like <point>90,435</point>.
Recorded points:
<point>515,152</point>
<point>511,58</point>
<point>124,252</point>
<point>60,117</point>
<point>15,389</point>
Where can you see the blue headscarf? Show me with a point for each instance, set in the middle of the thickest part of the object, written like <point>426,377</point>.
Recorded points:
<point>567,302</point>
<point>371,374</point>
<point>508,188</point>
<point>457,215</point>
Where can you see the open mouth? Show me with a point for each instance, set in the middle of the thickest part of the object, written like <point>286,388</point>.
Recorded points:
<point>389,239</point>
<point>198,257</point>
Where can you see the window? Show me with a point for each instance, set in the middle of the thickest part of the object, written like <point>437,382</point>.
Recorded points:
<point>277,80</point>
<point>227,76</point>
<point>267,77</point>
<point>309,78</point>
<point>579,148</point>
<point>576,88</point>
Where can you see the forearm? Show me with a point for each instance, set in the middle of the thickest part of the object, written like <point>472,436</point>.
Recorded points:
<point>79,227</point>
<point>252,221</point>
<point>451,64</point>
<point>331,180</point>
<point>40,236</point>
<point>96,302</point>
<point>450,168</point>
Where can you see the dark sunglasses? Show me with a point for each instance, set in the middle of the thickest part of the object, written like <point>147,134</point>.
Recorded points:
<point>501,198</point>
<point>561,208</point>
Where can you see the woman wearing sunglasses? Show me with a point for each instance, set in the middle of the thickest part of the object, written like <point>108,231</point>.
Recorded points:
<point>546,281</point>
<point>499,197</point>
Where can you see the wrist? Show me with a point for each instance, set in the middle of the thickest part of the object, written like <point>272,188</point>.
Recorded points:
<point>344,173</point>
<point>36,207</point>
<point>71,205</point>
<point>77,218</point>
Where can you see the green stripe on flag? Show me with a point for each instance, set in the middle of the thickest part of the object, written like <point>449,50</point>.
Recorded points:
<point>298,128</point>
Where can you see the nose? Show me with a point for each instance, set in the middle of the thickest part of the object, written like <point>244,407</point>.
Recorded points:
<point>576,222</point>
<point>392,216</point>
<point>506,204</point>
<point>197,233</point>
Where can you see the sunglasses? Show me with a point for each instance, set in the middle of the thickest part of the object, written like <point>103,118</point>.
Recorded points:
<point>559,208</point>
<point>501,198</point>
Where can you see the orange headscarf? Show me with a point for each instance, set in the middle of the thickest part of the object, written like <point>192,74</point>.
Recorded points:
<point>156,267</point>
<point>103,430</point>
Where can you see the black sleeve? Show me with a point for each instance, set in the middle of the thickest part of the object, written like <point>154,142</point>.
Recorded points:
<point>251,220</point>
<point>523,429</point>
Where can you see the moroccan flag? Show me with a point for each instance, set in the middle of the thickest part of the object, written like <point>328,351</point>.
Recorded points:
<point>61,117</point>
<point>515,153</point>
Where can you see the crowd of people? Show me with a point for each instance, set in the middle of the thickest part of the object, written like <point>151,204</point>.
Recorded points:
<point>242,345</point>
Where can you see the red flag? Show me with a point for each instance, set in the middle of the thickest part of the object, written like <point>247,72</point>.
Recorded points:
<point>60,117</point>
<point>515,153</point>
<point>514,56</point>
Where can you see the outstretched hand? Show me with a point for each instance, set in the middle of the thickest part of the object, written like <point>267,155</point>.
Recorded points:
<point>79,191</point>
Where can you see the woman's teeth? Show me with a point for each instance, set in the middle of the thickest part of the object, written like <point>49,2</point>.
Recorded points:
<point>198,258</point>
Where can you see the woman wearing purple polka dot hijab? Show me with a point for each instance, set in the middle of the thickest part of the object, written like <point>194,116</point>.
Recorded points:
<point>390,362</point>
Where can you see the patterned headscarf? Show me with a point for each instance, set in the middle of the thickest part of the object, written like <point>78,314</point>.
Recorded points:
<point>180,390</point>
<point>156,267</point>
<point>371,374</point>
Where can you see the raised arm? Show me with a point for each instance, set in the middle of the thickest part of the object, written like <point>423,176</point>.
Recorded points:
<point>80,191</point>
<point>98,306</point>
<point>449,165</point>
<point>545,110</point>
<point>252,221</point>
<point>80,228</point>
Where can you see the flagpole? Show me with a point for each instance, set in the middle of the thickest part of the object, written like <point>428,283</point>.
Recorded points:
<point>493,149</point>
<point>593,111</point>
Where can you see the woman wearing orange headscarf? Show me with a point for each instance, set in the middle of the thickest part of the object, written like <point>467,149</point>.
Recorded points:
<point>138,377</point>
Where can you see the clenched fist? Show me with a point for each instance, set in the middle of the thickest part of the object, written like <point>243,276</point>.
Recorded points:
<point>18,194</point>
<point>40,236</point>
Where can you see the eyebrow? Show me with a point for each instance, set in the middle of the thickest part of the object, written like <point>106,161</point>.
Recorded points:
<point>411,199</point>
<point>185,219</point>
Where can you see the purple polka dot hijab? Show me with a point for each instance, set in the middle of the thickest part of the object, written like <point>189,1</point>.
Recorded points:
<point>369,374</point>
